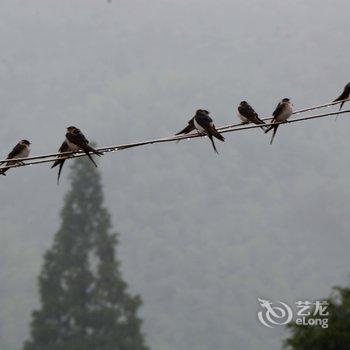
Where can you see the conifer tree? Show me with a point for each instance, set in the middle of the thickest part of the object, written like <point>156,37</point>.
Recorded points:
<point>85,304</point>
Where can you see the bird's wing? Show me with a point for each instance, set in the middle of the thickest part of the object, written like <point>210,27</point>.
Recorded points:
<point>207,124</point>
<point>278,109</point>
<point>339,98</point>
<point>204,120</point>
<point>78,132</point>
<point>257,120</point>
<point>248,112</point>
<point>16,150</point>
<point>216,134</point>
<point>241,110</point>
<point>344,95</point>
<point>190,127</point>
<point>77,138</point>
<point>64,147</point>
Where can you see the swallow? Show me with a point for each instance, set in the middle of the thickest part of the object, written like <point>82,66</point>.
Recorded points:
<point>204,124</point>
<point>64,148</point>
<point>344,95</point>
<point>247,114</point>
<point>282,112</point>
<point>76,141</point>
<point>190,125</point>
<point>21,150</point>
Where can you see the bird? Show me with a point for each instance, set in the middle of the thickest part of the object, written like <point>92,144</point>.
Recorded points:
<point>76,141</point>
<point>282,112</point>
<point>60,161</point>
<point>190,125</point>
<point>204,124</point>
<point>344,95</point>
<point>21,150</point>
<point>247,114</point>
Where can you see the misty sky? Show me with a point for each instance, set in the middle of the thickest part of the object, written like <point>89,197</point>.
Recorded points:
<point>202,236</point>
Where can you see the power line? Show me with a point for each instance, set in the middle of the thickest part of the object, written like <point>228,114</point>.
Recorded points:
<point>171,138</point>
<point>47,158</point>
<point>180,137</point>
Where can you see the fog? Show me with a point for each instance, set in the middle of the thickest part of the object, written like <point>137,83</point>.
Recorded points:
<point>202,236</point>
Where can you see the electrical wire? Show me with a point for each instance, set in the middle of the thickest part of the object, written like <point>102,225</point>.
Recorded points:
<point>172,138</point>
<point>47,158</point>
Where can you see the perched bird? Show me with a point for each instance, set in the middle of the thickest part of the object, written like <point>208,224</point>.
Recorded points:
<point>64,148</point>
<point>190,125</point>
<point>21,150</point>
<point>282,112</point>
<point>247,114</point>
<point>344,95</point>
<point>204,124</point>
<point>76,141</point>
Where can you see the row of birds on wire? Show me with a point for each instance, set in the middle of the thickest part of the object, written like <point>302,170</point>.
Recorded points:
<point>76,144</point>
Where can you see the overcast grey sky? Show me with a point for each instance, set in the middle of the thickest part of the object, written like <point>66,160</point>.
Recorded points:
<point>202,236</point>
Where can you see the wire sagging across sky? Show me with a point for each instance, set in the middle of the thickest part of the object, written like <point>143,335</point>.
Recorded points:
<point>47,158</point>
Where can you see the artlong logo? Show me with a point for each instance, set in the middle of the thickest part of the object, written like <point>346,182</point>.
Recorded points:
<point>273,315</point>
<point>280,313</point>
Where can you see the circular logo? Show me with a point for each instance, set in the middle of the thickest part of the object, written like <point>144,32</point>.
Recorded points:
<point>274,314</point>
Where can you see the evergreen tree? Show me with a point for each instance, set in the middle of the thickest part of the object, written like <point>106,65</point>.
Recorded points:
<point>84,300</point>
<point>336,336</point>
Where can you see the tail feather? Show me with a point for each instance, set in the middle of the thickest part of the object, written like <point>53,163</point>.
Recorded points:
<point>216,134</point>
<point>269,128</point>
<point>59,172</point>
<point>212,142</point>
<point>89,155</point>
<point>341,106</point>
<point>275,127</point>
<point>343,96</point>
<point>58,161</point>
